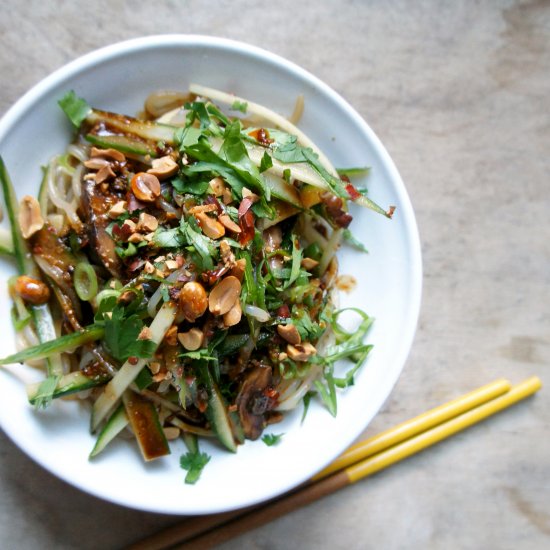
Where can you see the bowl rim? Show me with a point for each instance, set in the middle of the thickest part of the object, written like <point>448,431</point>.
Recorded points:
<point>119,49</point>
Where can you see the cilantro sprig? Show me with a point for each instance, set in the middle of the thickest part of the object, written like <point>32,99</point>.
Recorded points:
<point>194,463</point>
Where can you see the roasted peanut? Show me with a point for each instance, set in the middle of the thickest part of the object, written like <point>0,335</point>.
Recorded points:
<point>193,301</point>
<point>224,295</point>
<point>108,153</point>
<point>147,222</point>
<point>146,187</point>
<point>301,352</point>
<point>118,209</point>
<point>163,167</point>
<point>210,227</point>
<point>192,339</point>
<point>32,290</point>
<point>217,185</point>
<point>30,216</point>
<point>228,223</point>
<point>289,333</point>
<point>233,316</point>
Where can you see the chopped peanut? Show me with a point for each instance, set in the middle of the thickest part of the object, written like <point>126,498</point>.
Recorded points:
<point>289,333</point>
<point>224,295</point>
<point>192,339</point>
<point>147,222</point>
<point>118,209</point>
<point>238,269</point>
<point>30,216</point>
<point>309,263</point>
<point>217,185</point>
<point>210,227</point>
<point>301,352</point>
<point>163,167</point>
<point>108,153</point>
<point>171,433</point>
<point>228,223</point>
<point>171,337</point>
<point>104,174</point>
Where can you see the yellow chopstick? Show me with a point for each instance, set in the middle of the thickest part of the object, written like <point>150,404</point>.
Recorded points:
<point>431,437</point>
<point>416,425</point>
<point>361,460</point>
<point>343,478</point>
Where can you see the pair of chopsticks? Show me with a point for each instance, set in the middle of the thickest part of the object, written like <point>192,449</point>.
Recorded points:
<point>360,460</point>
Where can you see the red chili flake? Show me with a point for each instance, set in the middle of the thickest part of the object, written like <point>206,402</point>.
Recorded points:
<point>136,264</point>
<point>272,393</point>
<point>390,211</point>
<point>121,232</point>
<point>184,278</point>
<point>353,193</point>
<point>211,276</point>
<point>245,206</point>
<point>174,293</point>
<point>261,135</point>
<point>283,311</point>
<point>134,203</point>
<point>211,199</point>
<point>133,360</point>
<point>247,226</point>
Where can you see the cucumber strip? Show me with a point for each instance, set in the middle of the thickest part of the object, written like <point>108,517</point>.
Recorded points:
<point>6,251</point>
<point>128,372</point>
<point>191,442</point>
<point>6,243</point>
<point>146,426</point>
<point>216,412</point>
<point>41,315</point>
<point>73,382</point>
<point>59,345</point>
<point>116,423</point>
<point>123,144</point>
<point>151,131</point>
<point>23,259</point>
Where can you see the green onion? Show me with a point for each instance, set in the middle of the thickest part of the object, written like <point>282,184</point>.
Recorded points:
<point>85,281</point>
<point>59,345</point>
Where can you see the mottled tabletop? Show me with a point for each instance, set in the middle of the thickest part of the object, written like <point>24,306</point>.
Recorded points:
<point>459,92</point>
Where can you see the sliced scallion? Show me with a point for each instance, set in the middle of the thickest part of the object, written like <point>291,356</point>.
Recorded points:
<point>85,281</point>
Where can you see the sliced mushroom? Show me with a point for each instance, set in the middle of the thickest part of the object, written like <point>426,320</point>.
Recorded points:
<point>253,401</point>
<point>57,262</point>
<point>96,204</point>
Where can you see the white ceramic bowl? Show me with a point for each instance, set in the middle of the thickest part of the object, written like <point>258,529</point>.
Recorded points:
<point>118,78</point>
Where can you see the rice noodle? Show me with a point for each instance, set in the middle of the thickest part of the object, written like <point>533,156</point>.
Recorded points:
<point>296,115</point>
<point>55,195</point>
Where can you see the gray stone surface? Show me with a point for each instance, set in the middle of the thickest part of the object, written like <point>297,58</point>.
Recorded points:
<point>459,93</point>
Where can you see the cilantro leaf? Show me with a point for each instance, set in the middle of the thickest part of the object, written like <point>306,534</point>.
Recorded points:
<point>266,163</point>
<point>76,108</point>
<point>121,336</point>
<point>194,464</point>
<point>168,238</point>
<point>272,439</point>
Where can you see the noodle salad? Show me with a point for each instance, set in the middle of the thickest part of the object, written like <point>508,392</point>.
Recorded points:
<point>177,271</point>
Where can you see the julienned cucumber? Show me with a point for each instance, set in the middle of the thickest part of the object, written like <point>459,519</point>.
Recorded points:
<point>68,383</point>
<point>59,345</point>
<point>142,416</point>
<point>123,143</point>
<point>217,412</point>
<point>116,423</point>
